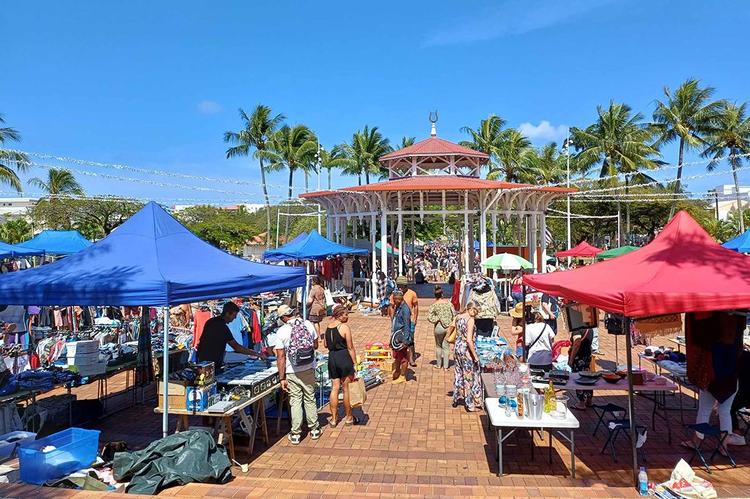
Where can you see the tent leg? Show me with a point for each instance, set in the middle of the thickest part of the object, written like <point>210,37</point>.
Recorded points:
<point>165,374</point>
<point>304,297</point>
<point>523,321</point>
<point>631,398</point>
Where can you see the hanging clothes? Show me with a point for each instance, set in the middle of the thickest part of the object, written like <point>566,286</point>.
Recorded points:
<point>200,317</point>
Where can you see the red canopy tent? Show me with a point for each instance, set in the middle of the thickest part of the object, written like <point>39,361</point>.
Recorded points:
<point>682,270</point>
<point>581,250</point>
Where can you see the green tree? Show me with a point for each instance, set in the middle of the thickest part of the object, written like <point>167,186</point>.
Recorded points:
<point>11,161</point>
<point>335,158</point>
<point>93,217</point>
<point>687,115</point>
<point>731,139</point>
<point>15,231</point>
<point>228,229</point>
<point>59,182</point>
<point>617,143</point>
<point>513,155</point>
<point>363,152</point>
<point>488,138</point>
<point>255,134</point>
<point>406,142</point>
<point>545,166</point>
<point>290,147</point>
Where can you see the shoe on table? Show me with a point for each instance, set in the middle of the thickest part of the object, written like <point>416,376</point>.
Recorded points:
<point>294,439</point>
<point>734,439</point>
<point>315,433</point>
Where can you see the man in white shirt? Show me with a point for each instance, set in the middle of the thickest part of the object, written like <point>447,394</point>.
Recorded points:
<point>296,342</point>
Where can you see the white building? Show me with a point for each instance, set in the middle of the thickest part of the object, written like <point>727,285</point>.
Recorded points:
<point>15,207</point>
<point>249,207</point>
<point>724,199</point>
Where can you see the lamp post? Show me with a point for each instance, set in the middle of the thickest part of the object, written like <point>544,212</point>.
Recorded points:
<point>318,158</point>
<point>566,147</point>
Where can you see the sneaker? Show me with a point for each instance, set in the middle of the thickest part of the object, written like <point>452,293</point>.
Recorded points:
<point>294,439</point>
<point>316,433</point>
<point>734,439</point>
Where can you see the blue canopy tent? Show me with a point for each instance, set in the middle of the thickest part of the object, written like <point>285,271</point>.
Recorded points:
<point>740,244</point>
<point>311,247</point>
<point>150,260</point>
<point>57,242</point>
<point>14,251</point>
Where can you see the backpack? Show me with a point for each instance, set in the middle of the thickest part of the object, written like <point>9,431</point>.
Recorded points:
<point>397,339</point>
<point>301,344</point>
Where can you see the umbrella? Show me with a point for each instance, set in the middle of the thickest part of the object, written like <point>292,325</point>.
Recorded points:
<point>389,248</point>
<point>614,252</point>
<point>506,261</point>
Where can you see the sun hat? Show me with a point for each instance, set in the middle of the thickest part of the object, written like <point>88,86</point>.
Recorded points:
<point>402,280</point>
<point>517,311</point>
<point>284,311</point>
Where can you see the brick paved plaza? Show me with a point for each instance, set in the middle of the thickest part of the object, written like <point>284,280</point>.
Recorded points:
<point>413,443</point>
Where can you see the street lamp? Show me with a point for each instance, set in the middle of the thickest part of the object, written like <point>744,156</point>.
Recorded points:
<point>566,148</point>
<point>318,158</point>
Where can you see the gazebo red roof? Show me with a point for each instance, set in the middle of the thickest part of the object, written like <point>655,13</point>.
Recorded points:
<point>433,146</point>
<point>437,183</point>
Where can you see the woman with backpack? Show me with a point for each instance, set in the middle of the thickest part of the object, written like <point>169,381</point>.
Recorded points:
<point>341,360</point>
<point>467,386</point>
<point>539,338</point>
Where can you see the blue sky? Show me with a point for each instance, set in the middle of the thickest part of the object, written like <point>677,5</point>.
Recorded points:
<point>155,84</point>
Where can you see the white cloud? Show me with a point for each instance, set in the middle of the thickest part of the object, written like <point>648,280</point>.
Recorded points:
<point>544,131</point>
<point>512,17</point>
<point>209,107</point>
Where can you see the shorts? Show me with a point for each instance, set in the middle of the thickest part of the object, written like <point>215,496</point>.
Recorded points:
<point>401,356</point>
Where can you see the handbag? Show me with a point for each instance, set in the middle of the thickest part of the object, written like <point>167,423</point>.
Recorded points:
<point>397,339</point>
<point>450,335</point>
<point>357,392</point>
<point>329,298</point>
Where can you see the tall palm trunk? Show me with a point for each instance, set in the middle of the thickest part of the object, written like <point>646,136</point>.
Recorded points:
<point>367,176</point>
<point>268,203</point>
<point>307,182</point>
<point>291,179</point>
<point>329,179</point>
<point>286,217</point>
<point>733,161</point>
<point>359,179</point>
<point>679,177</point>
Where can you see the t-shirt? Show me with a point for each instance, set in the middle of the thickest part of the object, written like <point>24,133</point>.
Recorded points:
<point>213,343</point>
<point>284,338</point>
<point>541,352</point>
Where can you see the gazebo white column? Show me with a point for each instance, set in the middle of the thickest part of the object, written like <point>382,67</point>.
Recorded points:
<point>543,235</point>
<point>354,231</point>
<point>482,228</point>
<point>383,238</point>
<point>533,253</point>
<point>374,265</point>
<point>467,251</point>
<point>400,231</point>
<point>494,232</point>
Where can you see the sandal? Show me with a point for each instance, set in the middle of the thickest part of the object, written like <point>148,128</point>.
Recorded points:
<point>333,423</point>
<point>350,422</point>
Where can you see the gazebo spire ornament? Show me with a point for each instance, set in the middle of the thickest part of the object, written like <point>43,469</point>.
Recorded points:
<point>433,128</point>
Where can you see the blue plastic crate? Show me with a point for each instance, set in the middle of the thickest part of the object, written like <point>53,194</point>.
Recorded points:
<point>75,449</point>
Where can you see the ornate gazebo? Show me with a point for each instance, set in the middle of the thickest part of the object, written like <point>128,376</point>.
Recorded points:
<point>435,177</point>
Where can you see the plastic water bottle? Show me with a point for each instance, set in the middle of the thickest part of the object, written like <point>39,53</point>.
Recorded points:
<point>643,482</point>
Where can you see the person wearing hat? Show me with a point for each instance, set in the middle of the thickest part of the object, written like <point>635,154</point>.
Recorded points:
<point>400,321</point>
<point>411,300</point>
<point>216,336</point>
<point>296,342</point>
<point>516,328</point>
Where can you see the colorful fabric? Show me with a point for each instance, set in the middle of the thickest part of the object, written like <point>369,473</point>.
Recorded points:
<point>440,312</point>
<point>467,387</point>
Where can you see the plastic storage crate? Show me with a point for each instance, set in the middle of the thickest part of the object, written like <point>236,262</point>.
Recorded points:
<point>75,449</point>
<point>10,441</point>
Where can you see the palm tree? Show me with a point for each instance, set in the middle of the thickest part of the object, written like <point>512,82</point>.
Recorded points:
<point>10,161</point>
<point>15,231</point>
<point>730,138</point>
<point>487,138</point>
<point>290,147</point>
<point>256,132</point>
<point>687,115</point>
<point>512,153</point>
<point>407,141</point>
<point>545,166</point>
<point>364,150</point>
<point>59,182</point>
<point>336,158</point>
<point>618,143</point>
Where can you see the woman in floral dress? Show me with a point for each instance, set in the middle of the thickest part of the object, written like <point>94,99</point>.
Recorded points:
<point>468,381</point>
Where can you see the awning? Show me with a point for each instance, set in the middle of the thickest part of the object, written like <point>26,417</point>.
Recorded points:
<point>311,246</point>
<point>57,242</point>
<point>615,252</point>
<point>581,250</point>
<point>740,244</point>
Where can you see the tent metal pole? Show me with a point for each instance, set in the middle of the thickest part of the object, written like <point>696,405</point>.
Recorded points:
<point>631,398</point>
<point>165,374</point>
<point>304,296</point>
<point>523,321</point>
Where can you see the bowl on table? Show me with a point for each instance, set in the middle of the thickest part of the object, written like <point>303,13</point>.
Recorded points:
<point>611,378</point>
<point>589,374</point>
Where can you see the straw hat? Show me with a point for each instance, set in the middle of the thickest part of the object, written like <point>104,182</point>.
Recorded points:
<point>402,280</point>
<point>517,311</point>
<point>284,311</point>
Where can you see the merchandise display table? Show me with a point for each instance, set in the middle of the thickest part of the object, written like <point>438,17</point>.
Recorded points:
<point>510,424</point>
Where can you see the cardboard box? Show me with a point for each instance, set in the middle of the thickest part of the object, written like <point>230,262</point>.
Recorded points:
<point>197,397</point>
<point>173,388</point>
<point>175,401</point>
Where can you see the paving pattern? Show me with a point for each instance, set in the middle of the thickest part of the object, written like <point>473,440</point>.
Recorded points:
<point>413,443</point>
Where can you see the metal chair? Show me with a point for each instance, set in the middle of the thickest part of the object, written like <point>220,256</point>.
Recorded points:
<point>714,432</point>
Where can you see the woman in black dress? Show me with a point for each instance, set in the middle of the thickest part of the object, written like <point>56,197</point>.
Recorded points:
<point>341,360</point>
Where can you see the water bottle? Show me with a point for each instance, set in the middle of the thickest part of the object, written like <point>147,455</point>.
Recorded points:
<point>643,482</point>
